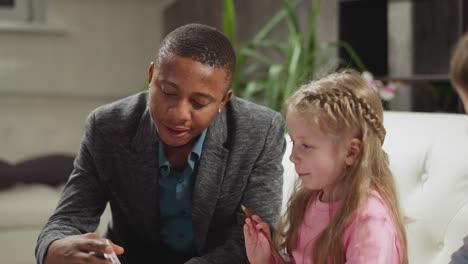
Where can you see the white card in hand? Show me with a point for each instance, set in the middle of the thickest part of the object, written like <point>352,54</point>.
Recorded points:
<point>112,257</point>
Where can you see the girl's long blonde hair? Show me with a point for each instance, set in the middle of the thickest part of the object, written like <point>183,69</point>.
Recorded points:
<point>343,103</point>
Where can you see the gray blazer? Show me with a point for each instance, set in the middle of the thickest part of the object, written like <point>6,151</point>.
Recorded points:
<point>118,163</point>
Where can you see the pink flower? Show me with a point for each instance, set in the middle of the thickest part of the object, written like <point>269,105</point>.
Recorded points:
<point>385,91</point>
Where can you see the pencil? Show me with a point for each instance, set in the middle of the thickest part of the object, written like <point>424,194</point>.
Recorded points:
<point>272,247</point>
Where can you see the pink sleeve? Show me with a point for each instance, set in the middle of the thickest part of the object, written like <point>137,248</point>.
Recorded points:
<point>373,239</point>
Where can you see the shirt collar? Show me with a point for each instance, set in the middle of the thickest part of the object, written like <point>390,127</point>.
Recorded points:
<point>197,149</point>
<point>192,158</point>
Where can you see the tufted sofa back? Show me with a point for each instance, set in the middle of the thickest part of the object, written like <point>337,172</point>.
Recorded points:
<point>429,158</point>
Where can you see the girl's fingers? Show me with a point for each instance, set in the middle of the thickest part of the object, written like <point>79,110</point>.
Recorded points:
<point>264,227</point>
<point>250,225</point>
<point>257,218</point>
<point>246,231</point>
<point>262,238</point>
<point>257,221</point>
<point>259,225</point>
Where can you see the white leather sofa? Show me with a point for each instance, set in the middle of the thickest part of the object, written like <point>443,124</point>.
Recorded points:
<point>24,210</point>
<point>428,155</point>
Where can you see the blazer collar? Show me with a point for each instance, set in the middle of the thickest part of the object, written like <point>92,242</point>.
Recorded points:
<point>143,186</point>
<point>146,135</point>
<point>209,178</point>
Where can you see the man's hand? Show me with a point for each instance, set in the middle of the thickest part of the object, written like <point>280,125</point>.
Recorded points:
<point>78,248</point>
<point>256,241</point>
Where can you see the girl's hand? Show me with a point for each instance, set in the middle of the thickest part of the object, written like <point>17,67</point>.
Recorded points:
<point>256,241</point>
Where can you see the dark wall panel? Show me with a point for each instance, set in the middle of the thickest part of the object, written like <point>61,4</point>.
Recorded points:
<point>363,24</point>
<point>436,29</point>
<point>251,15</point>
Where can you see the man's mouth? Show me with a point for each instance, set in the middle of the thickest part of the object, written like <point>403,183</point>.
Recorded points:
<point>177,131</point>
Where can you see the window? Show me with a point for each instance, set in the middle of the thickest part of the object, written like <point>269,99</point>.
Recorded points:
<point>22,10</point>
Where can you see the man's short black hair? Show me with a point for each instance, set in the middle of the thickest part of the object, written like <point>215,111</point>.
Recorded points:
<point>201,43</point>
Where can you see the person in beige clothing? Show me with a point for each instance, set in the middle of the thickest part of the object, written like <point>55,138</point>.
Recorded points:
<point>459,79</point>
<point>459,69</point>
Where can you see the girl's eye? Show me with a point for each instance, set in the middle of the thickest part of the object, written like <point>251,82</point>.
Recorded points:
<point>306,146</point>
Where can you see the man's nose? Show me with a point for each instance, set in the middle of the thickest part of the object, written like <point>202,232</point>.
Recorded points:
<point>181,111</point>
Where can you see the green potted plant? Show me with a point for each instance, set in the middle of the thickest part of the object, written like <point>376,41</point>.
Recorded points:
<point>268,82</point>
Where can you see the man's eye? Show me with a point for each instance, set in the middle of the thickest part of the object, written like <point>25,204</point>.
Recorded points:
<point>197,104</point>
<point>167,93</point>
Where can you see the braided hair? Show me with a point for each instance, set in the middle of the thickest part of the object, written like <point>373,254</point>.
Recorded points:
<point>343,104</point>
<point>203,44</point>
<point>341,101</point>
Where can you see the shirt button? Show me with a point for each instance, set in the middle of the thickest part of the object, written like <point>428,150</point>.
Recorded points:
<point>181,236</point>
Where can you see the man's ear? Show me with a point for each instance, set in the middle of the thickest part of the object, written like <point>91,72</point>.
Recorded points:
<point>226,98</point>
<point>150,72</point>
<point>354,148</point>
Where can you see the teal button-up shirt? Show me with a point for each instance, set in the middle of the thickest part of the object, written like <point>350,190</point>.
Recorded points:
<point>175,196</point>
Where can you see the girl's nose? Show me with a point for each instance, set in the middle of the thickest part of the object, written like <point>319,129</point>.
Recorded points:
<point>293,158</point>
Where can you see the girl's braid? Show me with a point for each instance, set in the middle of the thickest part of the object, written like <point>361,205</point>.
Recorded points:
<point>337,97</point>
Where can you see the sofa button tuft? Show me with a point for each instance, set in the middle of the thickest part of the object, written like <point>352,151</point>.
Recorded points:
<point>440,245</point>
<point>424,177</point>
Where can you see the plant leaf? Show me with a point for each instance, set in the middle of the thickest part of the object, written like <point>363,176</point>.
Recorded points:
<point>250,90</point>
<point>253,68</point>
<point>255,54</point>
<point>293,64</point>
<point>229,20</point>
<point>280,47</point>
<point>352,53</point>
<point>273,86</point>
<point>291,19</point>
<point>272,23</point>
<point>312,25</point>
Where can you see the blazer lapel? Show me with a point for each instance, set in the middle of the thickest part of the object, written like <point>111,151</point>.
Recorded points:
<point>144,186</point>
<point>209,179</point>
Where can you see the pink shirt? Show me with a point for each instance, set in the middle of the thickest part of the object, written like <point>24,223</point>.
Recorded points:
<point>371,238</point>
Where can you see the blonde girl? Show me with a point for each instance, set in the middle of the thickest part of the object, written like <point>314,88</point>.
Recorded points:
<point>344,208</point>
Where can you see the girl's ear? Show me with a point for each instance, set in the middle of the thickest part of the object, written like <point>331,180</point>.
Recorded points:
<point>354,148</point>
